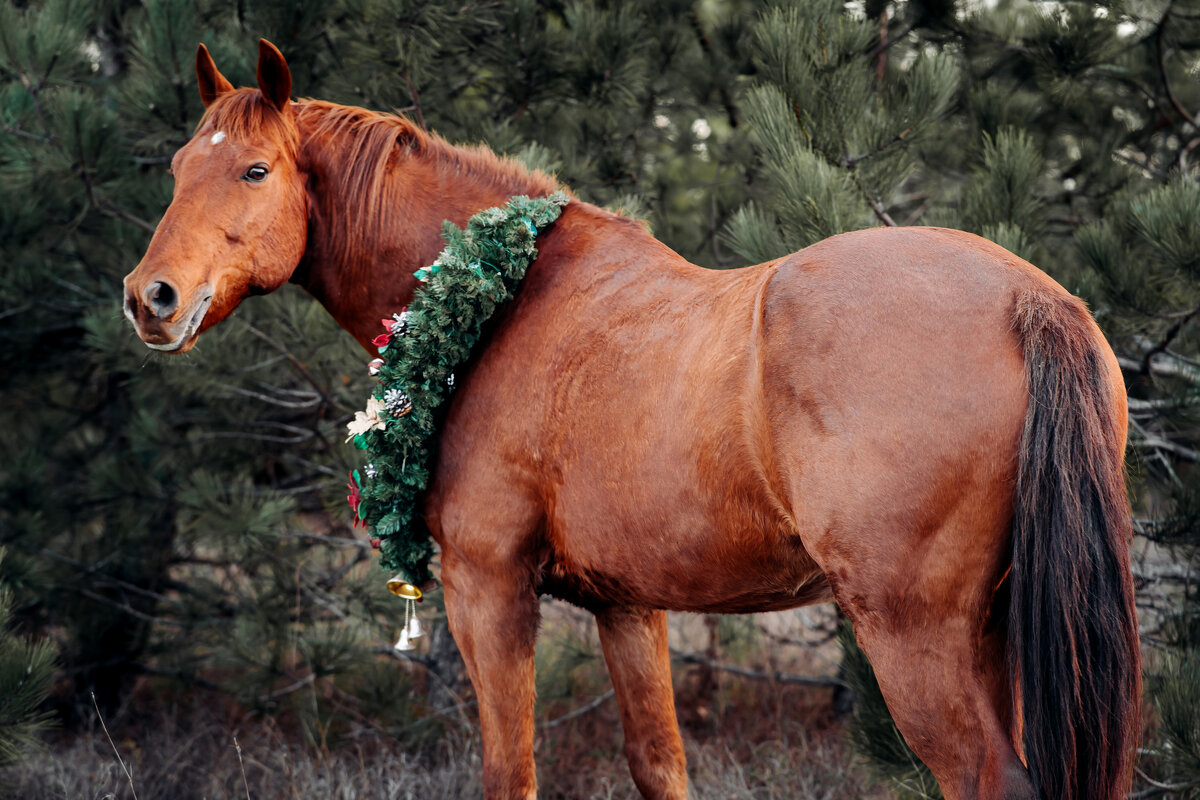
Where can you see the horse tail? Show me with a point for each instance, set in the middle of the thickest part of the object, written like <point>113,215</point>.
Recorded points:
<point>1072,636</point>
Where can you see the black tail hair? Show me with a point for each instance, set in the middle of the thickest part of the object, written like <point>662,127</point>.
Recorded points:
<point>1072,639</point>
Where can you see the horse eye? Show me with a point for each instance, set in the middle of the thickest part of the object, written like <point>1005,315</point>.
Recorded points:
<point>257,174</point>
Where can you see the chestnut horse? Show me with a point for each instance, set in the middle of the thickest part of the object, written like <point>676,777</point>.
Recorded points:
<point>913,422</point>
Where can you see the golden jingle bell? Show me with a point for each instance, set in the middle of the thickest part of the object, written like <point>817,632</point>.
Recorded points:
<point>402,588</point>
<point>412,626</point>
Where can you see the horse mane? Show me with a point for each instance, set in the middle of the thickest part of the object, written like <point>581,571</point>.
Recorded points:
<point>374,134</point>
<point>368,145</point>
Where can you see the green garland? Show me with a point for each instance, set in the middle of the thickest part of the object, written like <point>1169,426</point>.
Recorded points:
<point>479,270</point>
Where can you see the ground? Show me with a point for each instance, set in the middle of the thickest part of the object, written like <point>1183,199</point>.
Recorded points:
<point>747,738</point>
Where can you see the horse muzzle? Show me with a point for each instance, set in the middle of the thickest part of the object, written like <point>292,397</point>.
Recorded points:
<point>160,321</point>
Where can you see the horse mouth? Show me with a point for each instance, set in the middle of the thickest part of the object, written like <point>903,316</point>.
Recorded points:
<point>184,341</point>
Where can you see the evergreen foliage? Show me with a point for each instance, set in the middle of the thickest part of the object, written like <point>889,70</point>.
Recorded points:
<point>26,669</point>
<point>835,141</point>
<point>184,518</point>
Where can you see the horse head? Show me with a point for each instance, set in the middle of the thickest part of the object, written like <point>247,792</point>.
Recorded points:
<point>237,223</point>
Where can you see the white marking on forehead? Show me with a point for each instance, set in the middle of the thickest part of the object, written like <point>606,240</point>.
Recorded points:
<point>217,137</point>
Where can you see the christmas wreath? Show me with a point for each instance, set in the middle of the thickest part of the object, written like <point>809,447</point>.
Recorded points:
<point>420,347</point>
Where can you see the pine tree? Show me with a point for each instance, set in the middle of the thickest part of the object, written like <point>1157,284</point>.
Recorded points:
<point>26,669</point>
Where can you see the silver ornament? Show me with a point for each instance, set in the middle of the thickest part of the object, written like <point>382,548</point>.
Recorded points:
<point>397,402</point>
<point>400,327</point>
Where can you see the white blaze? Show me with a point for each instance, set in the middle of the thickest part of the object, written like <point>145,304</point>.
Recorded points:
<point>217,137</point>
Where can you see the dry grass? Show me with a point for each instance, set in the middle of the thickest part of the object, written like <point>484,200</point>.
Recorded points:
<point>190,755</point>
<point>176,767</point>
<point>746,739</point>
<point>197,759</point>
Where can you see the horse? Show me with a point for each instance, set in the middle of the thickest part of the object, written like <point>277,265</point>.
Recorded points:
<point>910,421</point>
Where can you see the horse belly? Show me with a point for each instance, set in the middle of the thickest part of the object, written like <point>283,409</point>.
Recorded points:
<point>673,509</point>
<point>636,556</point>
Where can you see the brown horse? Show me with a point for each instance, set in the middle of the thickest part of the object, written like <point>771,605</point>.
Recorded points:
<point>911,421</point>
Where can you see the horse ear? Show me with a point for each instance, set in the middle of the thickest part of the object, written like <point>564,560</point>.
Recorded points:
<point>212,82</point>
<point>274,78</point>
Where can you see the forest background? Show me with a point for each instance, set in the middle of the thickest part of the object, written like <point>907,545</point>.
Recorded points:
<point>177,562</point>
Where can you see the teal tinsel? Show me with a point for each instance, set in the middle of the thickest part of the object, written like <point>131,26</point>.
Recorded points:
<point>478,271</point>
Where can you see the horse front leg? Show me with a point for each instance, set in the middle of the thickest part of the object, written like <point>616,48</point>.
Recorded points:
<point>494,616</point>
<point>635,647</point>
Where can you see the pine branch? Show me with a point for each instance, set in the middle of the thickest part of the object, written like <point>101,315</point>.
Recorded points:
<point>1168,338</point>
<point>416,98</point>
<point>887,43</point>
<point>306,681</point>
<point>24,134</point>
<point>1160,43</point>
<point>706,46</point>
<point>295,362</point>
<point>1143,165</point>
<point>128,609</point>
<point>873,201</point>
<point>311,398</point>
<point>1160,367</point>
<point>853,161</point>
<point>1158,787</point>
<point>579,712</point>
<point>110,209</point>
<point>1149,441</point>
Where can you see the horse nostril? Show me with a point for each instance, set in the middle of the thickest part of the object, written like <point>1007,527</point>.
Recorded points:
<point>161,298</point>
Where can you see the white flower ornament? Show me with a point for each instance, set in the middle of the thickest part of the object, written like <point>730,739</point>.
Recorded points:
<point>368,420</point>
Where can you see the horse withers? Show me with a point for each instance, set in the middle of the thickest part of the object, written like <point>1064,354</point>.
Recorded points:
<point>911,421</point>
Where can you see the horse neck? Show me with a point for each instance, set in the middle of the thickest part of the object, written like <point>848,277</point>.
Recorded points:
<point>364,244</point>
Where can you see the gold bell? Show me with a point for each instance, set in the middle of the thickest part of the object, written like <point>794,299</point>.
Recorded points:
<point>412,627</point>
<point>402,588</point>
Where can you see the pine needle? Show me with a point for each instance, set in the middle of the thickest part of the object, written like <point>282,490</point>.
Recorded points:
<point>116,752</point>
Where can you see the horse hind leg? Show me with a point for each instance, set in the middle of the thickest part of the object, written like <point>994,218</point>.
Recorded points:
<point>997,680</point>
<point>944,703</point>
<point>635,647</point>
<point>929,625</point>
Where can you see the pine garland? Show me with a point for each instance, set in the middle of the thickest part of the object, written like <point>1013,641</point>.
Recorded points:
<point>478,271</point>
